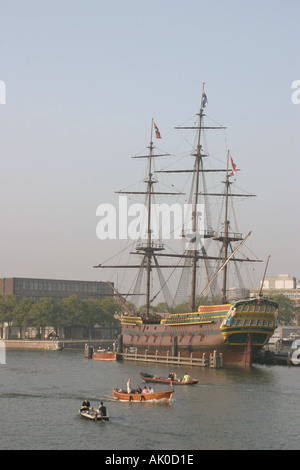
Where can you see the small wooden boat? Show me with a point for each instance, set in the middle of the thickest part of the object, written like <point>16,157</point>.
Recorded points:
<point>163,395</point>
<point>54,348</point>
<point>92,415</point>
<point>155,378</point>
<point>104,355</point>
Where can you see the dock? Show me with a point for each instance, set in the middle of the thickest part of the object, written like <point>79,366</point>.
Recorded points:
<point>283,358</point>
<point>214,361</point>
<point>41,345</point>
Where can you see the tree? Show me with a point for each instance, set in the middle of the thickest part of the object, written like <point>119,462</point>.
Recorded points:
<point>22,314</point>
<point>74,311</point>
<point>182,308</point>
<point>110,310</point>
<point>287,310</point>
<point>8,304</point>
<point>45,312</point>
<point>110,307</point>
<point>93,314</point>
<point>161,307</point>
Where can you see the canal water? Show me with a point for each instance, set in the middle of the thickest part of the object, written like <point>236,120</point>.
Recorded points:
<point>233,408</point>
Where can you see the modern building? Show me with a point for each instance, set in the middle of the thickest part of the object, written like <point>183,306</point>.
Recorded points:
<point>235,293</point>
<point>37,289</point>
<point>282,284</point>
<point>57,289</point>
<point>282,281</point>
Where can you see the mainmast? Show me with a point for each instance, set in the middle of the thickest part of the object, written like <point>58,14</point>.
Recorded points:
<point>198,157</point>
<point>225,237</point>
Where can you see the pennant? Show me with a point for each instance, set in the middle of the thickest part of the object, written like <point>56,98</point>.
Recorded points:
<point>234,170</point>
<point>158,136</point>
<point>204,100</point>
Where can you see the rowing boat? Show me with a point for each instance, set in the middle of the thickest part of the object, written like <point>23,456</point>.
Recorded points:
<point>163,395</point>
<point>93,415</point>
<point>58,348</point>
<point>155,378</point>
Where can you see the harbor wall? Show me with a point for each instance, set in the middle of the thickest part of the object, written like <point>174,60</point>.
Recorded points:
<point>40,345</point>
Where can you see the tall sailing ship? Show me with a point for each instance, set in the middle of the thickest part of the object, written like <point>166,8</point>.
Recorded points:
<point>237,329</point>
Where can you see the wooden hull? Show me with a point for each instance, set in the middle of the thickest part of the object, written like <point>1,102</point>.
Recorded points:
<point>164,395</point>
<point>238,343</point>
<point>104,355</point>
<point>154,378</point>
<point>93,415</point>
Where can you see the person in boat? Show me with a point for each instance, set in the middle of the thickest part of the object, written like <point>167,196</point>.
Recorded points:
<point>172,376</point>
<point>150,390</point>
<point>145,390</point>
<point>102,409</point>
<point>139,390</point>
<point>186,378</point>
<point>129,389</point>
<point>85,405</point>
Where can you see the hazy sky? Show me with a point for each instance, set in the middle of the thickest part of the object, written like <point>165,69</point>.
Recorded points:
<point>83,80</point>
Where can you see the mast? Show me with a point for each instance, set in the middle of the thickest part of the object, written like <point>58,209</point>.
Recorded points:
<point>198,253</point>
<point>149,252</point>
<point>150,248</point>
<point>198,157</point>
<point>226,225</point>
<point>223,266</point>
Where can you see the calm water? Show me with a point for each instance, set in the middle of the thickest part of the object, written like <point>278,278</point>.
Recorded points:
<point>41,392</point>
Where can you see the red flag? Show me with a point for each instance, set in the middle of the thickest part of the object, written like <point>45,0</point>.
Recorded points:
<point>158,136</point>
<point>233,167</point>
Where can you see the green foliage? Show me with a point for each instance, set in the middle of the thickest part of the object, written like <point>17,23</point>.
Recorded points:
<point>110,307</point>
<point>23,315</point>
<point>46,312</point>
<point>8,304</point>
<point>287,309</point>
<point>161,307</point>
<point>74,310</point>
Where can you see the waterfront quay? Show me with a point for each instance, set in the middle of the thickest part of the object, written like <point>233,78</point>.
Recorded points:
<point>41,345</point>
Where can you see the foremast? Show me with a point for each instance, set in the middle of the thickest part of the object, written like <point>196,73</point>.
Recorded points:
<point>198,157</point>
<point>149,249</point>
